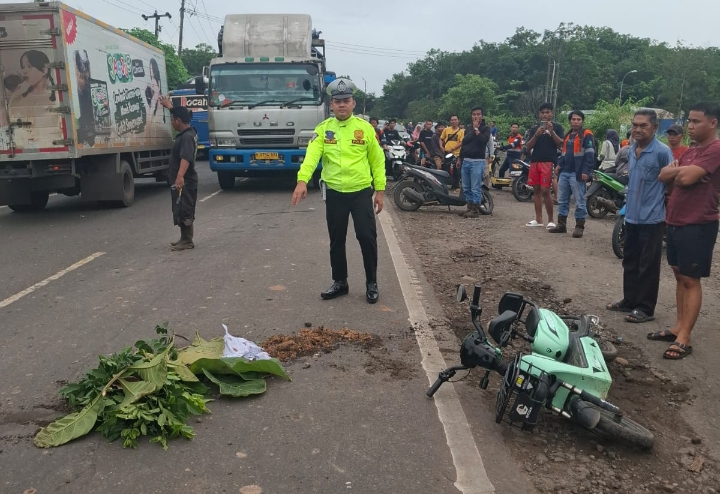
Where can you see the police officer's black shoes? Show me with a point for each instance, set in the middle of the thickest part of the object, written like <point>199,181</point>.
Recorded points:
<point>372,294</point>
<point>337,289</point>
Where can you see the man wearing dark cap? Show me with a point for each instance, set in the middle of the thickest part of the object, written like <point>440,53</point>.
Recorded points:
<point>182,174</point>
<point>675,136</point>
<point>353,164</point>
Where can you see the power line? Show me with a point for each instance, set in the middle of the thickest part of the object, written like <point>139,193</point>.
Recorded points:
<point>208,20</point>
<point>386,55</point>
<point>375,48</point>
<point>207,38</point>
<point>124,9</point>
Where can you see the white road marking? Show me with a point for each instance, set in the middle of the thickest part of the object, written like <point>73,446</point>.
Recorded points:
<point>469,468</point>
<point>211,195</point>
<point>47,281</point>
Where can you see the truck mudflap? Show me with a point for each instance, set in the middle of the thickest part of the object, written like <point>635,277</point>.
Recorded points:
<point>260,160</point>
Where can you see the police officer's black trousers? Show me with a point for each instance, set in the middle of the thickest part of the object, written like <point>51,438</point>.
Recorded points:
<point>338,208</point>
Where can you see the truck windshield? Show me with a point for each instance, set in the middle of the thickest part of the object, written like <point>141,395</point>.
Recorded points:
<point>264,84</point>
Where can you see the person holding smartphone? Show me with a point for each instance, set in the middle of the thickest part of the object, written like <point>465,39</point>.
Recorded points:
<point>546,137</point>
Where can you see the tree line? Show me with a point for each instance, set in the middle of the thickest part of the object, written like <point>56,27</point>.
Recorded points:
<point>513,77</point>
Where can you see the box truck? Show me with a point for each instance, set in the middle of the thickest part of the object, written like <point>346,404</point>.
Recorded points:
<point>79,108</point>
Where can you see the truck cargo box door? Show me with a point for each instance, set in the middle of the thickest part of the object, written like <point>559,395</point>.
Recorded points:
<point>31,106</point>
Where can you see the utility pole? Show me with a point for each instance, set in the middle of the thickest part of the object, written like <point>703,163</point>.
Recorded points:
<point>157,17</point>
<point>182,21</point>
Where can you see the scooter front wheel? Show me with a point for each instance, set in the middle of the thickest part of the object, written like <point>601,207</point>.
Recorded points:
<point>404,202</point>
<point>487,205</point>
<point>618,237</point>
<point>624,429</point>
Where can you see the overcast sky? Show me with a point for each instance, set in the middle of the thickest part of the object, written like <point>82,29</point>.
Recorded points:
<point>375,39</point>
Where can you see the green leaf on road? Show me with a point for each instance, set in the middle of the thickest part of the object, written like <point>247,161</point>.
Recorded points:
<point>134,390</point>
<point>181,370</point>
<point>200,349</point>
<point>154,370</point>
<point>236,386</point>
<point>70,426</point>
<point>239,366</point>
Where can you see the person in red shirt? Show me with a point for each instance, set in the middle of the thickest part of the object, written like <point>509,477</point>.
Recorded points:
<point>675,136</point>
<point>378,133</point>
<point>692,223</point>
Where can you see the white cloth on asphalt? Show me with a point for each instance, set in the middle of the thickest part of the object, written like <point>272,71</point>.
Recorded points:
<point>240,347</point>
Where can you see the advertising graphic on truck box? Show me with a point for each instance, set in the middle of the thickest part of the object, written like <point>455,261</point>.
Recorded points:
<point>27,97</point>
<point>115,84</point>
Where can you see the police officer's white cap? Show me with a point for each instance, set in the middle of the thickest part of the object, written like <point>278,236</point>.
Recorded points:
<point>341,88</point>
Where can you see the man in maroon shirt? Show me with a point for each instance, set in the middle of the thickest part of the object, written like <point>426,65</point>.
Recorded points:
<point>692,223</point>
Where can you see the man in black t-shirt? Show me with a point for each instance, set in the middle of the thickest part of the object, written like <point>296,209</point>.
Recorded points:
<point>546,137</point>
<point>425,140</point>
<point>182,174</point>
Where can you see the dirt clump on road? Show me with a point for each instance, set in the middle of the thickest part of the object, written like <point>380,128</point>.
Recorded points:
<point>559,456</point>
<point>311,341</point>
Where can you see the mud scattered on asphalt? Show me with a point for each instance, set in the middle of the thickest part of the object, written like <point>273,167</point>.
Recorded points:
<point>311,341</point>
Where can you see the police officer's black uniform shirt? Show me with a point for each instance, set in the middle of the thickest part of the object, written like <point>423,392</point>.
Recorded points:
<point>185,148</point>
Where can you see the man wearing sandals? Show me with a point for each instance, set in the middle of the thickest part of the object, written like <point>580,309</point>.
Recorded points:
<point>692,218</point>
<point>546,137</point>
<point>644,220</point>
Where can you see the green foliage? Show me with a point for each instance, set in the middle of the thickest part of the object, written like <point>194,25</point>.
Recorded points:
<point>468,91</point>
<point>176,71</point>
<point>612,116</point>
<point>421,110</point>
<point>196,58</point>
<point>592,63</point>
<point>149,391</point>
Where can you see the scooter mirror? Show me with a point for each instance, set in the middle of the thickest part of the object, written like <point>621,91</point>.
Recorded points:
<point>461,294</point>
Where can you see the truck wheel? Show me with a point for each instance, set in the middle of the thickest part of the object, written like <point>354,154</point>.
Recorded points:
<point>38,201</point>
<point>226,180</point>
<point>128,185</point>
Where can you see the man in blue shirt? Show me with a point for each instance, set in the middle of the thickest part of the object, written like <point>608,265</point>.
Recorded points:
<point>644,220</point>
<point>574,169</point>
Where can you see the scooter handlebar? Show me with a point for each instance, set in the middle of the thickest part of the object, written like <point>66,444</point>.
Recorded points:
<point>436,385</point>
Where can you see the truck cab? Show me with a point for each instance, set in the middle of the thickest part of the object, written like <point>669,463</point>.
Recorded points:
<point>265,95</point>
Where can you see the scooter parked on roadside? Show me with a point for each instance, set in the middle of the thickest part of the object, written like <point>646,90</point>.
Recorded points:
<point>395,157</point>
<point>496,181</point>
<point>566,372</point>
<point>519,173</point>
<point>430,187</point>
<point>606,189</point>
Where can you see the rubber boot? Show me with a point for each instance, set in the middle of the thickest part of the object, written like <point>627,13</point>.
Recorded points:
<point>561,225</point>
<point>463,213</point>
<point>474,211</point>
<point>187,241</point>
<point>579,228</point>
<point>182,237</point>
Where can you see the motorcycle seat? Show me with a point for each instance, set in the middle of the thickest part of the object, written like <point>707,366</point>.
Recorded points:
<point>441,174</point>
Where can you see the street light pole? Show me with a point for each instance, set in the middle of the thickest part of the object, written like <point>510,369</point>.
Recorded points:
<point>364,94</point>
<point>623,82</point>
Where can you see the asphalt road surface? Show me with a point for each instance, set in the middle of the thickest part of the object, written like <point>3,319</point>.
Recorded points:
<point>80,280</point>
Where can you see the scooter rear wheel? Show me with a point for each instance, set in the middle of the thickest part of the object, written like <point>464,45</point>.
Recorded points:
<point>595,209</point>
<point>520,189</point>
<point>401,200</point>
<point>487,205</point>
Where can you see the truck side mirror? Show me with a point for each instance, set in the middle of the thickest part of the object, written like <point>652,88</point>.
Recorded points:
<point>200,85</point>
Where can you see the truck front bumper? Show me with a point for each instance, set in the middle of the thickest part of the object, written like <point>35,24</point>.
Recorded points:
<point>230,159</point>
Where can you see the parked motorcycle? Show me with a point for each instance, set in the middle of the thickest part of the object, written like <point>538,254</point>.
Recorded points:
<point>430,187</point>
<point>565,356</point>
<point>519,172</point>
<point>395,157</point>
<point>618,234</point>
<point>606,188</point>
<point>496,181</point>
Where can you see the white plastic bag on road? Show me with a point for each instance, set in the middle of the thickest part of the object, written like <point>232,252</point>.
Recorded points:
<point>240,347</point>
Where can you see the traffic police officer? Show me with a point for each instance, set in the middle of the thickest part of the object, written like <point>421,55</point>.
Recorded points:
<point>352,162</point>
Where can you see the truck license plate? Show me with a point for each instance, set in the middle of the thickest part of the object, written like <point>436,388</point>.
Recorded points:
<point>266,156</point>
